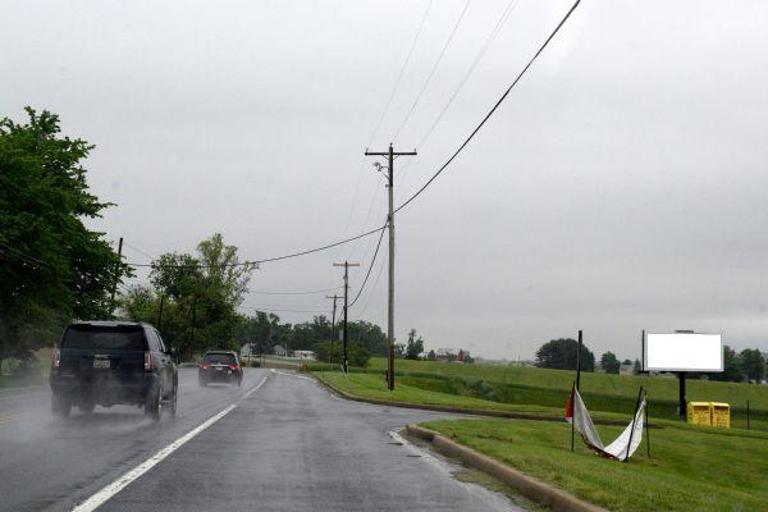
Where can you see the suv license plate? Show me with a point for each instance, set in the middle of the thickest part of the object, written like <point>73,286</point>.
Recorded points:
<point>100,363</point>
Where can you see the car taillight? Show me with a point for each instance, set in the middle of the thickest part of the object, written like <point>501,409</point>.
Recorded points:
<point>55,358</point>
<point>147,361</point>
<point>204,366</point>
<point>233,367</point>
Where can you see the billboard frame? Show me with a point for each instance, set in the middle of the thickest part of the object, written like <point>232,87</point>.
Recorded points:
<point>681,370</point>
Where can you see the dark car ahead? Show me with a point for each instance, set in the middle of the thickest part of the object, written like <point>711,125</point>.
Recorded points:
<point>110,363</point>
<point>220,366</point>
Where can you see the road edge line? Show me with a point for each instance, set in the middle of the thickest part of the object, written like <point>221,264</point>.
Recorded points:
<point>124,480</point>
<point>528,486</point>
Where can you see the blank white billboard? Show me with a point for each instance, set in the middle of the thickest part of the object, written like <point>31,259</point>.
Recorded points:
<point>683,352</point>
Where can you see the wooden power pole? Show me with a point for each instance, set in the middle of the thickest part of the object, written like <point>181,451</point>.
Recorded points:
<point>346,265</point>
<point>391,154</point>
<point>333,325</point>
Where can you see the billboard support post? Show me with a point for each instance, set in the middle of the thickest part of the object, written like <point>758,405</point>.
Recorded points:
<point>683,404</point>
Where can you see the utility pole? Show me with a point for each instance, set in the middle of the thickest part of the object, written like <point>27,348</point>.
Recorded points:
<point>346,265</point>
<point>160,313</point>
<point>391,154</point>
<point>117,270</point>
<point>333,324</point>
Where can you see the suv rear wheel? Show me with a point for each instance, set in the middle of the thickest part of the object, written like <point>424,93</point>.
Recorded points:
<point>152,403</point>
<point>173,402</point>
<point>61,405</point>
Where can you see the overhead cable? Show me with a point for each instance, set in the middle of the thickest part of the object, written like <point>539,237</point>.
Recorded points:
<point>491,111</point>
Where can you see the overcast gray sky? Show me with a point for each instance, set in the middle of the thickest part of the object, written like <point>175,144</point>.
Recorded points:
<point>622,186</point>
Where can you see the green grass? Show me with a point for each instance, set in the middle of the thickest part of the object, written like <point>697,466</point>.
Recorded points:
<point>690,469</point>
<point>373,386</point>
<point>603,392</point>
<point>659,387</point>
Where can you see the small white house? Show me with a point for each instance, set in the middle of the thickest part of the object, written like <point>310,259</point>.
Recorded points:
<point>280,351</point>
<point>246,350</point>
<point>627,369</point>
<point>306,355</point>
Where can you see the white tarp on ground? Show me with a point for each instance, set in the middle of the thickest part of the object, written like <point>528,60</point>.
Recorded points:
<point>576,412</point>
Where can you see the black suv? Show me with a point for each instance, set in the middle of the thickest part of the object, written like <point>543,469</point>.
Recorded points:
<point>109,363</point>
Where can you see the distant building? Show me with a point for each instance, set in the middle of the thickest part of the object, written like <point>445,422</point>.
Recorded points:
<point>307,355</point>
<point>246,350</point>
<point>280,351</point>
<point>627,369</point>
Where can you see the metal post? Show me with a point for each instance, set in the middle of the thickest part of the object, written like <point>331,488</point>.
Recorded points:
<point>634,420</point>
<point>647,430</point>
<point>578,362</point>
<point>390,154</point>
<point>573,417</point>
<point>748,423</point>
<point>117,276</point>
<point>681,395</point>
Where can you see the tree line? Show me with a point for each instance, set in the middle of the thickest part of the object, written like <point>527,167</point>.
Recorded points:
<point>747,365</point>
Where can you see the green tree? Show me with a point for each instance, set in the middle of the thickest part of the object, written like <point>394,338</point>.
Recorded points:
<point>610,363</point>
<point>202,293</point>
<point>752,364</point>
<point>307,334</point>
<point>732,367</point>
<point>414,346</point>
<point>356,353</point>
<point>52,268</point>
<point>638,368</point>
<point>561,354</point>
<point>370,336</point>
<point>431,356</point>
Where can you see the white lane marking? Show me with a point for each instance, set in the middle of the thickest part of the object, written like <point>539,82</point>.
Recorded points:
<point>425,456</point>
<point>278,372</point>
<point>123,481</point>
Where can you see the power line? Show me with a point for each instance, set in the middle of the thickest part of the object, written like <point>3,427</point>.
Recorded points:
<point>423,187</point>
<point>264,310</point>
<point>401,73</point>
<point>308,292</point>
<point>27,258</point>
<point>370,268</point>
<point>433,70</point>
<point>503,18</point>
<point>492,110</point>
<point>143,253</point>
<point>495,32</point>
<point>256,263</point>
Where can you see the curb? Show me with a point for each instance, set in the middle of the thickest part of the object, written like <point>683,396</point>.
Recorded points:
<point>457,410</point>
<point>530,487</point>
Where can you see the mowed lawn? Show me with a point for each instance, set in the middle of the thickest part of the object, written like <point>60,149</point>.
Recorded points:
<point>688,470</point>
<point>366,385</point>
<point>659,388</point>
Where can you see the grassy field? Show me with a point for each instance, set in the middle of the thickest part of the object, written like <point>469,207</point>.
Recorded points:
<point>659,388</point>
<point>690,469</point>
<point>603,392</point>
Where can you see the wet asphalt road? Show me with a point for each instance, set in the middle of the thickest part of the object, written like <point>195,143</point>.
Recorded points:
<point>289,445</point>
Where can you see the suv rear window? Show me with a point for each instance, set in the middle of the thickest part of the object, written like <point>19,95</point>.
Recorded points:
<point>219,358</point>
<point>120,337</point>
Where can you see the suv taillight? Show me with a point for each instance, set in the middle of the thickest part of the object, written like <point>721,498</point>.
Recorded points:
<point>55,358</point>
<point>147,361</point>
<point>233,367</point>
